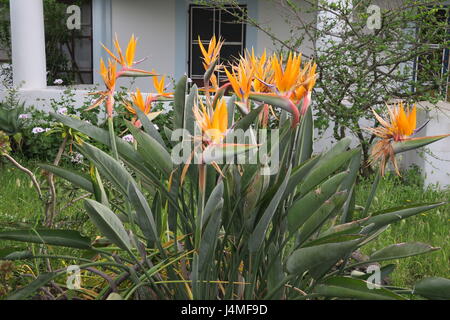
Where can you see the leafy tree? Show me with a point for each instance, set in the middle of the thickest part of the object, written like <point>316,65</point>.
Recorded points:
<point>362,68</point>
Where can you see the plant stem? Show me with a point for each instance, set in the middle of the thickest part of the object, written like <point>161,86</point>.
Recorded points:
<point>112,138</point>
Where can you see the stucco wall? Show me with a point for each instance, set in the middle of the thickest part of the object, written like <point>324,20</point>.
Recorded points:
<point>272,15</point>
<point>153,22</point>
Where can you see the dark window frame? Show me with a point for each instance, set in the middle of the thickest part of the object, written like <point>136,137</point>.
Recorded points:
<point>193,41</point>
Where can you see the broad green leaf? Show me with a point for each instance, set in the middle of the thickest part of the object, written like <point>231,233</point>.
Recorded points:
<point>99,189</point>
<point>306,206</point>
<point>28,290</point>
<point>345,287</point>
<point>151,151</point>
<point>275,274</point>
<point>210,236</point>
<point>15,255</point>
<point>189,118</point>
<point>318,260</point>
<point>125,149</point>
<point>179,102</point>
<point>108,224</point>
<point>401,250</point>
<point>144,215</point>
<point>323,169</point>
<point>148,126</point>
<point>306,138</point>
<point>220,153</point>
<point>385,217</point>
<point>71,176</point>
<point>214,198</point>
<point>299,173</point>
<point>433,288</point>
<point>340,147</point>
<point>385,271</point>
<point>415,143</point>
<point>257,237</point>
<point>108,166</point>
<point>325,212</point>
<point>274,100</point>
<point>349,185</point>
<point>64,238</point>
<point>231,110</point>
<point>246,121</point>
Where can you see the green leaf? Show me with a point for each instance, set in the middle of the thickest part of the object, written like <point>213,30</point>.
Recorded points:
<point>108,166</point>
<point>108,224</point>
<point>125,149</point>
<point>189,118</point>
<point>246,121</point>
<point>40,281</point>
<point>148,126</point>
<point>221,152</point>
<point>179,102</point>
<point>210,233</point>
<point>211,204</point>
<point>64,238</point>
<point>326,211</point>
<point>318,260</point>
<point>144,214</point>
<point>16,255</point>
<point>299,173</point>
<point>274,100</point>
<point>305,142</point>
<point>349,288</point>
<point>71,176</point>
<point>306,206</point>
<point>231,109</point>
<point>385,217</point>
<point>324,168</point>
<point>152,152</point>
<point>257,237</point>
<point>433,288</point>
<point>401,250</point>
<point>415,143</point>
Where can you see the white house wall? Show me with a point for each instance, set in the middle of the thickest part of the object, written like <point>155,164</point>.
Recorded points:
<point>153,22</point>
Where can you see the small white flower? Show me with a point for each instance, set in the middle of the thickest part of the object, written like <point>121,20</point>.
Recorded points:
<point>48,129</point>
<point>58,82</point>
<point>156,126</point>
<point>128,138</point>
<point>62,110</point>
<point>24,116</point>
<point>77,158</point>
<point>167,109</point>
<point>37,130</point>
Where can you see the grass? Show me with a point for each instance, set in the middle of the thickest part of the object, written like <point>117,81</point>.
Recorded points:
<point>431,227</point>
<point>20,207</point>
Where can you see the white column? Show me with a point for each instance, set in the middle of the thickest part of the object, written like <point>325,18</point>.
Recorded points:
<point>28,43</point>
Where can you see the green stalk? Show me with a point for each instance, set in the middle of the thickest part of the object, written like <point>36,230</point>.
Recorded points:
<point>198,228</point>
<point>112,138</point>
<point>372,193</point>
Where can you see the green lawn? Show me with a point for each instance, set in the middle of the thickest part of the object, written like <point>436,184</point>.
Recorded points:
<point>20,206</point>
<point>432,227</point>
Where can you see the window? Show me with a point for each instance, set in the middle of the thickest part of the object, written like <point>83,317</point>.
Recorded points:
<point>73,48</point>
<point>435,64</point>
<point>204,22</point>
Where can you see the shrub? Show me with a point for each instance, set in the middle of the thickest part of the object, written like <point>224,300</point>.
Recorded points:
<point>205,228</point>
